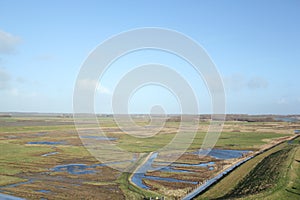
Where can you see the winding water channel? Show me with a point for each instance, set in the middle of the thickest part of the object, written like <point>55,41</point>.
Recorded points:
<point>140,173</point>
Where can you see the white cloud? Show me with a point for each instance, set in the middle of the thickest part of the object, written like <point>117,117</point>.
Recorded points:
<point>8,42</point>
<point>87,84</point>
<point>103,90</point>
<point>90,84</point>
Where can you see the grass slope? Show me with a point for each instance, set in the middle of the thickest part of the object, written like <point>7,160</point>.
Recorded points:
<point>265,175</point>
<point>274,174</point>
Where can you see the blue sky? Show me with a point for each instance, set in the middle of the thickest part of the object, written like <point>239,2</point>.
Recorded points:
<point>254,44</point>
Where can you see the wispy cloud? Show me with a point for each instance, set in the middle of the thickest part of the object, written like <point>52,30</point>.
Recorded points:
<point>288,100</point>
<point>237,82</point>
<point>282,101</point>
<point>90,84</point>
<point>103,90</point>
<point>5,79</point>
<point>257,83</point>
<point>87,84</point>
<point>234,82</point>
<point>8,42</point>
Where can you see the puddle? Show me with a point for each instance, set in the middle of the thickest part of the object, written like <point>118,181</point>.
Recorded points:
<point>171,169</point>
<point>98,137</point>
<point>46,142</point>
<point>50,154</point>
<point>44,191</point>
<point>74,169</point>
<point>193,165</point>
<point>223,154</point>
<point>78,169</point>
<point>297,131</point>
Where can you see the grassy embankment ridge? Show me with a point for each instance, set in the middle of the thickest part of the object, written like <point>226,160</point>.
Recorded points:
<point>273,174</point>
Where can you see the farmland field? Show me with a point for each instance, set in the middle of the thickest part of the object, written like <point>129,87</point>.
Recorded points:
<point>43,157</point>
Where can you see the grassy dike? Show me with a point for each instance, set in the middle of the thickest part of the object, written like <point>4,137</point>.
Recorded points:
<point>273,174</point>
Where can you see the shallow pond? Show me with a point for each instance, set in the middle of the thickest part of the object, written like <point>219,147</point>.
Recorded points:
<point>98,137</point>
<point>74,169</point>
<point>43,191</point>
<point>50,154</point>
<point>223,154</point>
<point>47,142</point>
<point>193,165</point>
<point>77,168</point>
<point>171,169</point>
